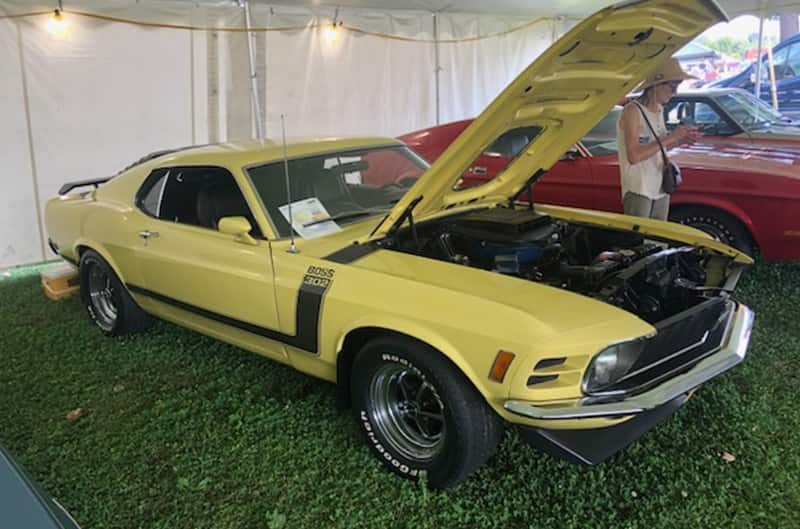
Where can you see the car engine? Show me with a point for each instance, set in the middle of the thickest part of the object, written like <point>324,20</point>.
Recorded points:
<point>650,279</point>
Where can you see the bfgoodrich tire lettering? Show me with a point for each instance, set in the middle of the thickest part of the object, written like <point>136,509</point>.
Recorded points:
<point>419,413</point>
<point>107,301</point>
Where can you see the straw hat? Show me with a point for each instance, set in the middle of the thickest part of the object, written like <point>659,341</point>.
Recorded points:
<point>668,71</point>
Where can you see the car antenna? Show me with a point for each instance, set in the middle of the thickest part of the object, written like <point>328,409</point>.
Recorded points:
<point>292,245</point>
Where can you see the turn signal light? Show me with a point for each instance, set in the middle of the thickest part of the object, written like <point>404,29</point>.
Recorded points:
<point>501,364</point>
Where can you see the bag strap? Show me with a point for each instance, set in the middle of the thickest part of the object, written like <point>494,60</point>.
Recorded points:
<point>660,145</point>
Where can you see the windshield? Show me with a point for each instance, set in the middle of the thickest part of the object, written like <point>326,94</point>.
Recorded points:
<point>335,188</point>
<point>748,111</point>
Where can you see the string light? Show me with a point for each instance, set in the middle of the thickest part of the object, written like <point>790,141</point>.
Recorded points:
<point>57,24</point>
<point>331,32</point>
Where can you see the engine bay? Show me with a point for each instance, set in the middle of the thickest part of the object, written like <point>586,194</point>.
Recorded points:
<point>651,279</point>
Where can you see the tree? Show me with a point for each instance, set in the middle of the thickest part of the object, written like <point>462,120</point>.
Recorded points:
<point>734,47</point>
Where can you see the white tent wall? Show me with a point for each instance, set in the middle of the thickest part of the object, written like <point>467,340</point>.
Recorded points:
<point>474,72</point>
<point>112,91</point>
<point>96,101</point>
<point>20,240</point>
<point>359,85</point>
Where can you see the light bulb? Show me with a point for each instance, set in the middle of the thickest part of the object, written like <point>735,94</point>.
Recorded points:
<point>331,33</point>
<point>58,25</point>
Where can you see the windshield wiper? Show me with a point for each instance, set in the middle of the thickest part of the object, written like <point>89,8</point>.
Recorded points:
<point>341,216</point>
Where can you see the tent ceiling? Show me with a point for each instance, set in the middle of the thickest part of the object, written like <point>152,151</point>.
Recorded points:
<point>530,8</point>
<point>570,8</point>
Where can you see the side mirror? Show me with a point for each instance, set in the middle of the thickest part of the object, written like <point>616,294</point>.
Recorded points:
<point>239,227</point>
<point>571,155</point>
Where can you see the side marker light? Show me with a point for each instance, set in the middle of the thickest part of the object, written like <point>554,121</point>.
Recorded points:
<point>501,364</point>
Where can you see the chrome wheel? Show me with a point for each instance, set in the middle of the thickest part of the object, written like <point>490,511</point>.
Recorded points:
<point>408,412</point>
<point>101,297</point>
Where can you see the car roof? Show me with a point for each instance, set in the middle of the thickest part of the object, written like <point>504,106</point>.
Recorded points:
<point>250,152</point>
<point>711,92</point>
<point>790,40</point>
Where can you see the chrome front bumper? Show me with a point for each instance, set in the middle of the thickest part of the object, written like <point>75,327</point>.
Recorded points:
<point>732,352</point>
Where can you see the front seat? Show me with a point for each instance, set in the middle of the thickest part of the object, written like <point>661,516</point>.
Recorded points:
<point>329,189</point>
<point>217,201</point>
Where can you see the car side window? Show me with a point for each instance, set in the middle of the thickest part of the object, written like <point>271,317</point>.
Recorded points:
<point>673,112</point>
<point>780,65</point>
<point>701,114</point>
<point>691,113</point>
<point>793,60</point>
<point>197,196</point>
<point>148,199</point>
<point>705,115</point>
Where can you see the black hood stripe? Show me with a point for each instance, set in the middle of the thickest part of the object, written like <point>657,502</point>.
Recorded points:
<point>351,253</point>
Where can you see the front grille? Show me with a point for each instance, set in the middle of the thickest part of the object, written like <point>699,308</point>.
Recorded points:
<point>680,343</point>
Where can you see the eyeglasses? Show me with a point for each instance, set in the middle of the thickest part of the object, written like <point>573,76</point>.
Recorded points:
<point>673,86</point>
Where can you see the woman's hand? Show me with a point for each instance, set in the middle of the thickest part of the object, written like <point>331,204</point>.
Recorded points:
<point>682,135</point>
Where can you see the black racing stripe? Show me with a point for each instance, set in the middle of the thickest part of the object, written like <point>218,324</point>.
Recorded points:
<point>351,253</point>
<point>309,305</point>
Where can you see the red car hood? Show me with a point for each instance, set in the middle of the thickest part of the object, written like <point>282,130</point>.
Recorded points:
<point>783,161</point>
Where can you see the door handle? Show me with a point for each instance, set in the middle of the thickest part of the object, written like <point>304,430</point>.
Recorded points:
<point>479,170</point>
<point>147,234</point>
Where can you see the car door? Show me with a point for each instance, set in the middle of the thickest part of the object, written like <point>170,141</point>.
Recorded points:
<point>789,99</point>
<point>605,175</point>
<point>786,78</point>
<point>568,182</point>
<point>189,267</point>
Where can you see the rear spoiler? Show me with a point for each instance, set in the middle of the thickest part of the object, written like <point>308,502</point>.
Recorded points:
<point>69,186</point>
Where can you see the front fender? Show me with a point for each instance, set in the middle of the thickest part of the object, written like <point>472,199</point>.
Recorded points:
<point>493,392</point>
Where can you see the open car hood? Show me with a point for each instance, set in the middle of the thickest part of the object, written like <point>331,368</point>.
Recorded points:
<point>565,91</point>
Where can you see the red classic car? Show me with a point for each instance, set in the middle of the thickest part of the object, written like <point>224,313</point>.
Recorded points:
<point>744,195</point>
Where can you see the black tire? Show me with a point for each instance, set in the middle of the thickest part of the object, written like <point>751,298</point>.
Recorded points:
<point>107,300</point>
<point>420,413</point>
<point>720,225</point>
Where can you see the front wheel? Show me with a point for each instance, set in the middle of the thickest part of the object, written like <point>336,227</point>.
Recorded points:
<point>720,225</point>
<point>420,414</point>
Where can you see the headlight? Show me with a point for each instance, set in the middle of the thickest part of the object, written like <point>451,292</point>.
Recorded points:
<point>611,364</point>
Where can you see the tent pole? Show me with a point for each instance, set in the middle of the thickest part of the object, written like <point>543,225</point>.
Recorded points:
<point>772,78</point>
<point>37,202</point>
<point>437,68</point>
<point>253,75</point>
<point>191,86</point>
<point>757,80</point>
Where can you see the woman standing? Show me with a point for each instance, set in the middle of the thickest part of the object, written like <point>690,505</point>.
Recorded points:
<point>640,159</point>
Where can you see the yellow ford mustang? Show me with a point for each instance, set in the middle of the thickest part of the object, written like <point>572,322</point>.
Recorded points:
<point>442,314</point>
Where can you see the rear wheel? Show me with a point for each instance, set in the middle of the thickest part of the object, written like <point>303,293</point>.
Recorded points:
<point>420,414</point>
<point>720,225</point>
<point>107,301</point>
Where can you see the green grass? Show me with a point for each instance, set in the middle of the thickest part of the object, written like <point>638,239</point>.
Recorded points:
<point>183,431</point>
